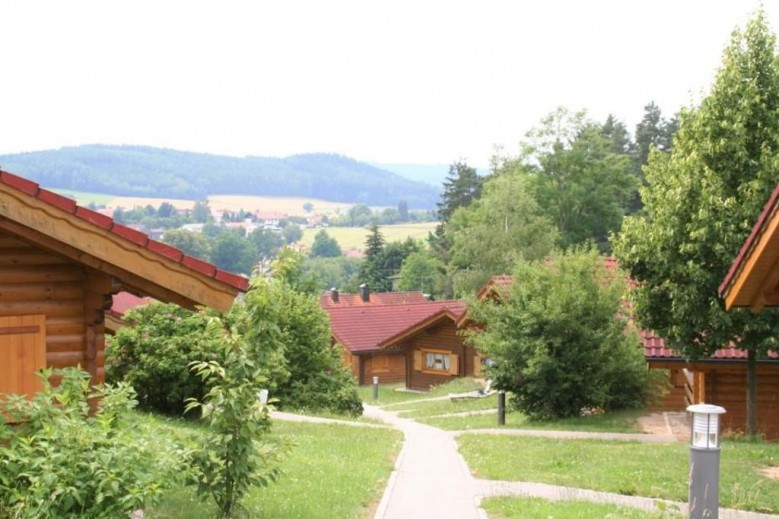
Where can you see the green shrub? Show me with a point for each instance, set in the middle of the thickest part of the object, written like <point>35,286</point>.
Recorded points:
<point>561,341</point>
<point>154,352</point>
<point>304,369</point>
<point>232,458</point>
<point>61,462</point>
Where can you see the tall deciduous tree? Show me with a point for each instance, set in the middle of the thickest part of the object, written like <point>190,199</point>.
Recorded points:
<point>325,246</point>
<point>421,271</point>
<point>700,203</point>
<point>489,235</point>
<point>578,181</point>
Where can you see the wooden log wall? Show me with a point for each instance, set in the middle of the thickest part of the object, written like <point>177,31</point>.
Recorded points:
<point>38,282</point>
<point>726,386</point>
<point>441,337</point>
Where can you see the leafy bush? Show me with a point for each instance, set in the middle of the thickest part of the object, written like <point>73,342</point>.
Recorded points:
<point>561,342</point>
<point>154,352</point>
<point>232,459</point>
<point>307,372</point>
<point>61,462</point>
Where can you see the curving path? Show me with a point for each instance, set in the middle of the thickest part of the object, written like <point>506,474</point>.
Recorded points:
<point>431,480</point>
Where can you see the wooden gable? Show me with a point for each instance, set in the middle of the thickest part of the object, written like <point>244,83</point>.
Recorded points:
<point>753,278</point>
<point>60,265</point>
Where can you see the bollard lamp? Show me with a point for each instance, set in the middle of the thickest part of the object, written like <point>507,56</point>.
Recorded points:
<point>704,426</point>
<point>263,396</point>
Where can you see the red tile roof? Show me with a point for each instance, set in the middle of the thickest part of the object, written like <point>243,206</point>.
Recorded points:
<point>67,205</point>
<point>124,301</point>
<point>375,298</point>
<point>372,327</point>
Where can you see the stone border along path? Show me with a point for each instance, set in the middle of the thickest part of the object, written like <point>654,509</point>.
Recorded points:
<point>431,479</point>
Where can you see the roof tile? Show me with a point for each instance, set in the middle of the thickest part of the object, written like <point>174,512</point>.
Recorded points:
<point>61,202</point>
<point>94,217</point>
<point>128,233</point>
<point>20,183</point>
<point>201,266</point>
<point>369,327</point>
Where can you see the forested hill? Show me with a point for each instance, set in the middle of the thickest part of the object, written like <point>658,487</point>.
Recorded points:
<point>147,171</point>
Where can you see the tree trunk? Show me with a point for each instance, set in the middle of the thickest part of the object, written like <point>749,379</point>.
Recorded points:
<point>751,393</point>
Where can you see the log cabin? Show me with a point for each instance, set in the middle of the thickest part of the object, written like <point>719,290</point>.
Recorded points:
<point>400,337</point>
<point>753,282</point>
<point>60,265</point>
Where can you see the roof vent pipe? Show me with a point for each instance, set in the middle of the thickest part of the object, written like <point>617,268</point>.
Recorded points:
<point>365,293</point>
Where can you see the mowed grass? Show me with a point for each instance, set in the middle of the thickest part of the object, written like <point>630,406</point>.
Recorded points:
<point>353,238</point>
<point>535,508</point>
<point>391,395</point>
<point>332,471</point>
<point>617,422</point>
<point>630,468</point>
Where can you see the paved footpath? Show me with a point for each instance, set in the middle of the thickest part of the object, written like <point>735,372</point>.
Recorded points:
<point>432,481</point>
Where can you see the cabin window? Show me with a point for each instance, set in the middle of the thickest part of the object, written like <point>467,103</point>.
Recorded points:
<point>437,362</point>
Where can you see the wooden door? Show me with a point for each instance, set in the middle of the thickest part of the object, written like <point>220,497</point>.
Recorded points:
<point>22,353</point>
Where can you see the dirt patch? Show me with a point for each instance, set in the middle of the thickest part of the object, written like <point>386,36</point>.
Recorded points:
<point>666,423</point>
<point>770,472</point>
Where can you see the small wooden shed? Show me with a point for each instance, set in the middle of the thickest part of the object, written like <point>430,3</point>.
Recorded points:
<point>60,265</point>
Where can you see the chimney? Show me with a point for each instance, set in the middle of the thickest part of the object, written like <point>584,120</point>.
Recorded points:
<point>334,294</point>
<point>365,293</point>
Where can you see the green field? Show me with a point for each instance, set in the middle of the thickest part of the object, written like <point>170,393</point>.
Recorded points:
<point>353,238</point>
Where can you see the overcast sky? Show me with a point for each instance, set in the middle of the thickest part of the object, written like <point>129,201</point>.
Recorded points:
<point>399,81</point>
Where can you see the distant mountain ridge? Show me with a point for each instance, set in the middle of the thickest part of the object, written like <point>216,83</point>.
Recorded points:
<point>159,172</point>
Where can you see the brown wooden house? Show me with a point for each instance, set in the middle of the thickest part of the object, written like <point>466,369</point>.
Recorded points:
<point>60,265</point>
<point>400,337</point>
<point>753,282</point>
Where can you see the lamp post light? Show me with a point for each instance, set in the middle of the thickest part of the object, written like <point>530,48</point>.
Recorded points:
<point>375,388</point>
<point>704,461</point>
<point>263,397</point>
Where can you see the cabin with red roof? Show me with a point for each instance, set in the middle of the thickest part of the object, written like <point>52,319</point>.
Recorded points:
<point>400,337</point>
<point>61,265</point>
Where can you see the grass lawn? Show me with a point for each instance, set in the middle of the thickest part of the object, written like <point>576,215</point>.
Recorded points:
<point>535,508</point>
<point>332,471</point>
<point>630,468</point>
<point>618,422</point>
<point>418,410</point>
<point>392,395</point>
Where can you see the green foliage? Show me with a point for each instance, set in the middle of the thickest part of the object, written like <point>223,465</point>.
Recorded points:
<point>232,458</point>
<point>153,352</point>
<point>341,272</point>
<point>191,243</point>
<point>305,370</point>
<point>493,232</point>
<point>324,246</point>
<point>421,271</point>
<point>266,241</point>
<point>291,233</point>
<point>234,253</point>
<point>61,462</point>
<point>700,203</point>
<point>561,342</point>
<point>461,187</point>
<point>580,183</point>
